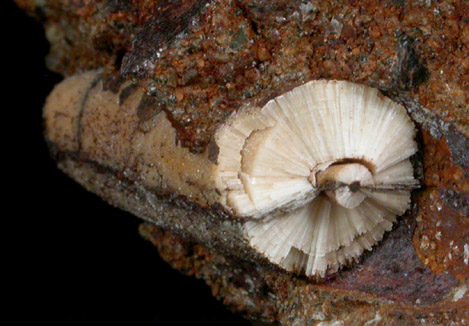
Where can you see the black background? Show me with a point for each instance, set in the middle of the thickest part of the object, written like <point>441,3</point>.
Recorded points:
<point>72,259</point>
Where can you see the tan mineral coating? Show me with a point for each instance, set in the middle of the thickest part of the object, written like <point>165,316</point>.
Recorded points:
<point>61,113</point>
<point>136,165</point>
<point>82,116</point>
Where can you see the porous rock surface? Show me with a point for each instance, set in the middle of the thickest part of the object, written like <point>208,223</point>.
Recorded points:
<point>199,61</point>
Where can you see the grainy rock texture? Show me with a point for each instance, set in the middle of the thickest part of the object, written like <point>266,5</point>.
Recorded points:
<point>203,59</point>
<point>199,61</point>
<point>385,296</point>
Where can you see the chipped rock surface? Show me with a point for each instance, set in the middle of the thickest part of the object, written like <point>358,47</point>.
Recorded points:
<point>270,296</point>
<point>211,58</point>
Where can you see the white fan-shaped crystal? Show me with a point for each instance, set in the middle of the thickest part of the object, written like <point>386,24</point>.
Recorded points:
<point>322,170</point>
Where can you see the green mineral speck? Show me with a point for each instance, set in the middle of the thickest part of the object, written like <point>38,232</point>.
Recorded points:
<point>239,39</point>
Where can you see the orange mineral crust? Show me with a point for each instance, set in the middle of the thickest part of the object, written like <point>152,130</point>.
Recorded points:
<point>442,233</point>
<point>203,59</point>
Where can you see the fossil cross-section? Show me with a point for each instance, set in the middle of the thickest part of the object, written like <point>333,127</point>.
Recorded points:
<point>310,180</point>
<point>322,171</point>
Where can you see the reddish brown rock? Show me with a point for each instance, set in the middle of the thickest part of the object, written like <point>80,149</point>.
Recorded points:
<point>214,56</point>
<point>440,165</point>
<point>271,296</point>
<point>384,44</point>
<point>442,234</point>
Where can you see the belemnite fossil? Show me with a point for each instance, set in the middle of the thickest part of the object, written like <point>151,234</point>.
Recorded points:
<point>313,178</point>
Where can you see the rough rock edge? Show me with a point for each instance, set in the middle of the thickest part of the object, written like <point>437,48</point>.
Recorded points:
<point>457,142</point>
<point>294,301</point>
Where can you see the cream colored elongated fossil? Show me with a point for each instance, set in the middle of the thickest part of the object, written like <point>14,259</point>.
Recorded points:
<point>318,174</point>
<point>323,170</point>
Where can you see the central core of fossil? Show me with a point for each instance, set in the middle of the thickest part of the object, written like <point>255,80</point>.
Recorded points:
<point>342,183</point>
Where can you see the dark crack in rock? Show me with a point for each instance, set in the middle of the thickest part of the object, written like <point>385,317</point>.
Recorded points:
<point>410,71</point>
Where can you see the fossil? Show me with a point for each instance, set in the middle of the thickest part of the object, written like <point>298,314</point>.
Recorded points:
<point>317,175</point>
<point>322,171</point>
